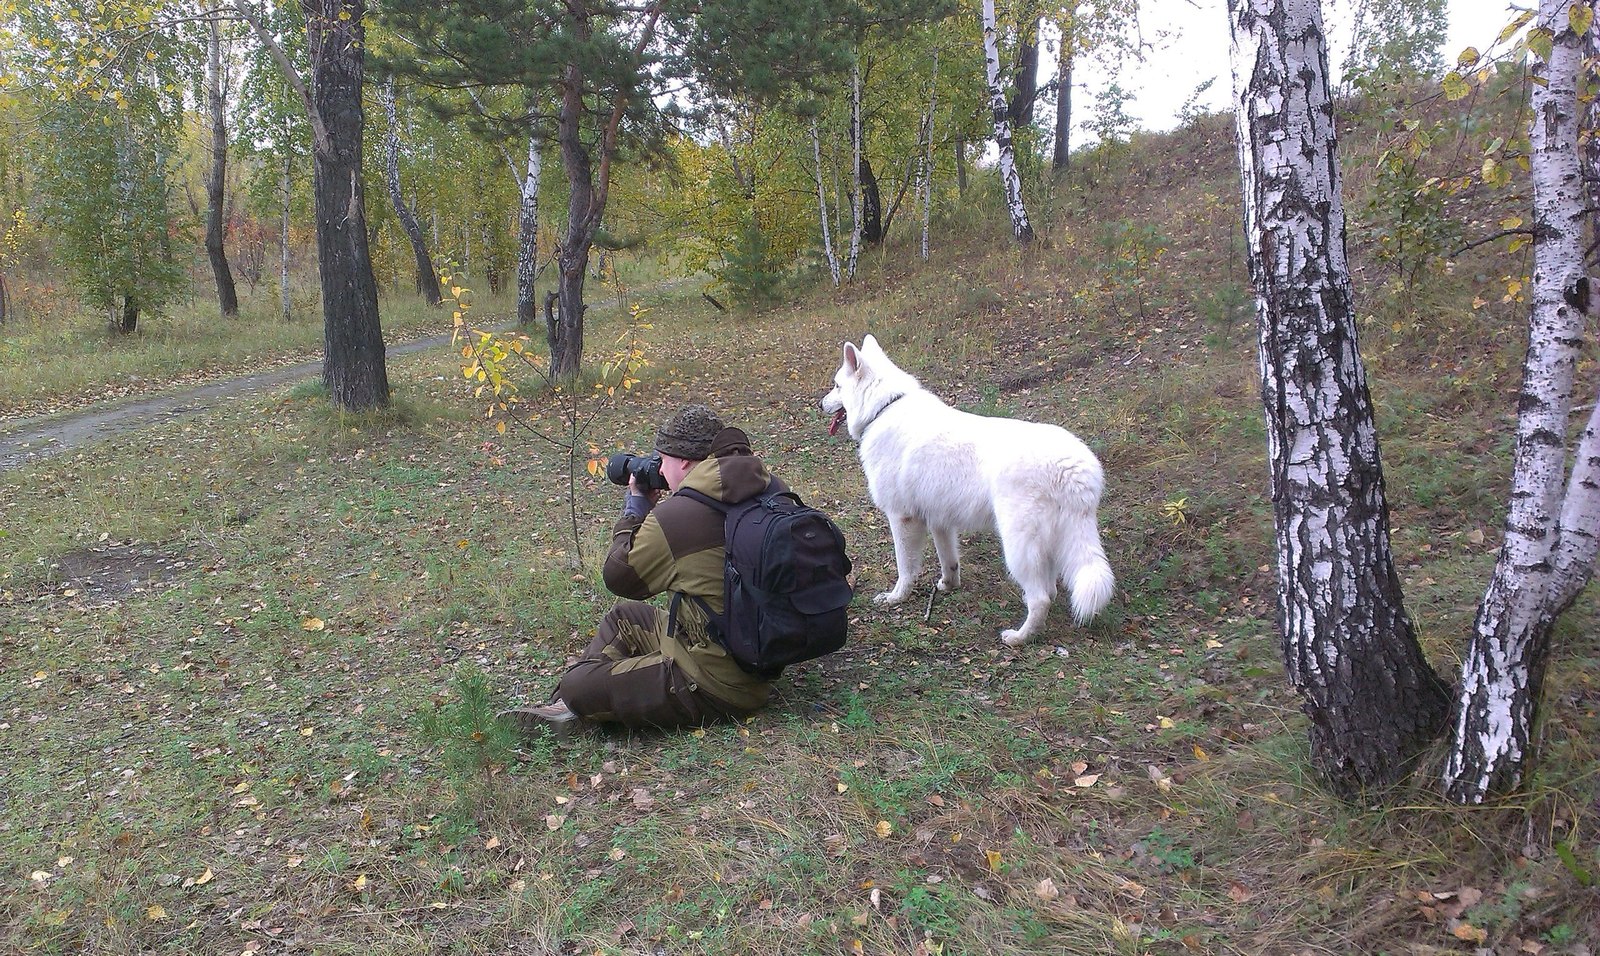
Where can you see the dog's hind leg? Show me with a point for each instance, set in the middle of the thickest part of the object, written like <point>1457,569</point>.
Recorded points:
<point>948,544</point>
<point>1032,564</point>
<point>910,538</point>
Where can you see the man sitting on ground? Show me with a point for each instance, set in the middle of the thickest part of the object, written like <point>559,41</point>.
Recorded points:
<point>648,667</point>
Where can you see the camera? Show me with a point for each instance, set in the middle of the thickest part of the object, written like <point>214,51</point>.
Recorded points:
<point>646,471</point>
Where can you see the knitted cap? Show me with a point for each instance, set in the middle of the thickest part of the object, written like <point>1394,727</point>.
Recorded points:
<point>688,434</point>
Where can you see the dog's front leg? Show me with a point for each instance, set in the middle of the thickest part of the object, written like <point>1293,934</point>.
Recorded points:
<point>910,537</point>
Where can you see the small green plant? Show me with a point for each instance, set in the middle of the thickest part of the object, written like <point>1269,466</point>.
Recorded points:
<point>463,726</point>
<point>1169,854</point>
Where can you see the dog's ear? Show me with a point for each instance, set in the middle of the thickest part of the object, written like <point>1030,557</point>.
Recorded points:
<point>852,358</point>
<point>870,344</point>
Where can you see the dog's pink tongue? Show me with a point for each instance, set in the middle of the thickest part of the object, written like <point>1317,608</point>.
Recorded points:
<point>838,419</point>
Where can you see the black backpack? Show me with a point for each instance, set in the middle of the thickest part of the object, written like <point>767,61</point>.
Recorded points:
<point>786,598</point>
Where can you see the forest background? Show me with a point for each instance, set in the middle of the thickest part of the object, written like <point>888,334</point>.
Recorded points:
<point>252,658</point>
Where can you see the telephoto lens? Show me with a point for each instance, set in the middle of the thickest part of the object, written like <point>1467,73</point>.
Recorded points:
<point>646,470</point>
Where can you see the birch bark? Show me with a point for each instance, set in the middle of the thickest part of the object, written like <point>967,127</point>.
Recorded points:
<point>1373,701</point>
<point>822,205</point>
<point>1549,550</point>
<point>1021,230</point>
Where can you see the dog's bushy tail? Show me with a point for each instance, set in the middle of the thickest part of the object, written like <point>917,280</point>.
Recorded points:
<point>1082,559</point>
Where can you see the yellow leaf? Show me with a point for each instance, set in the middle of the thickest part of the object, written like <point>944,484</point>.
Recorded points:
<point>360,883</point>
<point>1165,723</point>
<point>204,878</point>
<point>312,624</point>
<point>155,913</point>
<point>841,787</point>
<point>1581,16</point>
<point>993,858</point>
<point>884,828</point>
<point>1470,933</point>
<point>500,427</point>
<point>1200,754</point>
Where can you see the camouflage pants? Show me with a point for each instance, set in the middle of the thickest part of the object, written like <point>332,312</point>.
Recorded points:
<point>624,677</point>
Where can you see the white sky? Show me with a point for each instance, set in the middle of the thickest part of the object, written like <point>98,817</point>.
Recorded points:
<point>1197,50</point>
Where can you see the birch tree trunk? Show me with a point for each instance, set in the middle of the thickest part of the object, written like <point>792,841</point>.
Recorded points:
<point>216,176</point>
<point>927,155</point>
<point>822,206</point>
<point>1550,543</point>
<point>999,109</point>
<point>1348,645</point>
<point>528,234</point>
<point>427,275</point>
<point>283,236</point>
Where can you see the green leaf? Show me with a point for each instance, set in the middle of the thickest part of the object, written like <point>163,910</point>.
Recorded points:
<point>1468,58</point>
<point>1541,41</point>
<point>1455,88</point>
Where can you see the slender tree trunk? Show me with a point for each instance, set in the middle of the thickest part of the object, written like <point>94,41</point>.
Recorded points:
<point>1348,645</point>
<point>871,204</point>
<point>822,206</point>
<point>216,176</point>
<point>353,364</point>
<point>855,169</point>
<point>528,234</point>
<point>427,275</point>
<point>961,164</point>
<point>1550,537</point>
<point>1062,155</point>
<point>1025,67</point>
<point>129,323</point>
<point>564,331</point>
<point>5,300</point>
<point>1021,230</point>
<point>283,235</point>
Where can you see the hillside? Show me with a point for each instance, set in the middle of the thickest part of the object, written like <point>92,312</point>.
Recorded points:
<point>251,658</point>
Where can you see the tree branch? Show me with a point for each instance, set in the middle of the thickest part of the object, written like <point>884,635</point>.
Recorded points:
<point>319,133</point>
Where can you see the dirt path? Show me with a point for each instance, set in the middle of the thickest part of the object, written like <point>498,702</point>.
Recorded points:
<point>34,438</point>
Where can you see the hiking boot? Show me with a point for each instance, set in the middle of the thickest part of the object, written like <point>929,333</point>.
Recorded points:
<point>555,717</point>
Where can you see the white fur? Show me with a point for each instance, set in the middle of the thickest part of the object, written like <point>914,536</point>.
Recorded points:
<point>934,468</point>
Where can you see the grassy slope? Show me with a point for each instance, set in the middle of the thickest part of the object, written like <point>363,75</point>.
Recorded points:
<point>249,660</point>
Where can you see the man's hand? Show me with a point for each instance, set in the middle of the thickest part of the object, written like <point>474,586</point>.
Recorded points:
<point>636,503</point>
<point>651,495</point>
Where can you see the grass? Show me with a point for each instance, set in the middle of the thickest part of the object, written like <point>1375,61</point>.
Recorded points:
<point>249,660</point>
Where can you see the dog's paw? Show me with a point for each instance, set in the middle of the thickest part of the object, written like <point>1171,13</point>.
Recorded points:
<point>952,583</point>
<point>1013,638</point>
<point>888,597</point>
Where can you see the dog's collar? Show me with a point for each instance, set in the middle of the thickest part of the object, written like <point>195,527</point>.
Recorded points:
<point>861,432</point>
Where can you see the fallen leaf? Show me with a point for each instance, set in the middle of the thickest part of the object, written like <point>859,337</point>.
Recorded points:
<point>1469,933</point>
<point>155,913</point>
<point>642,798</point>
<point>360,883</point>
<point>312,624</point>
<point>204,878</point>
<point>491,843</point>
<point>1238,892</point>
<point>1047,890</point>
<point>1087,780</point>
<point>994,858</point>
<point>884,828</point>
<point>553,822</point>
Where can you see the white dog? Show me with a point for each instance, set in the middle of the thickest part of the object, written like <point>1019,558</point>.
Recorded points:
<point>933,467</point>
